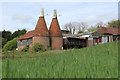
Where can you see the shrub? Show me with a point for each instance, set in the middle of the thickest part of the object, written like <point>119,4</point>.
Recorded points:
<point>38,47</point>
<point>10,45</point>
<point>50,48</point>
<point>25,49</point>
<point>80,32</point>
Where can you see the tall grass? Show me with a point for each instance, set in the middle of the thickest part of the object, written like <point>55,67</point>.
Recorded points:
<point>92,62</point>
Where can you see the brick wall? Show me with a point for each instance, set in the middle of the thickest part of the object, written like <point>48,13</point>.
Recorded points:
<point>20,47</point>
<point>22,43</point>
<point>42,40</point>
<point>57,43</point>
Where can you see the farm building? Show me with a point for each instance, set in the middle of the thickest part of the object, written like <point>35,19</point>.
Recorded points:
<point>61,39</point>
<point>101,36</point>
<point>41,35</point>
<point>77,40</point>
<point>105,34</point>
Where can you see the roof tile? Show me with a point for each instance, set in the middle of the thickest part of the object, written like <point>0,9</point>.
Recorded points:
<point>55,28</point>
<point>40,30</point>
<point>110,30</point>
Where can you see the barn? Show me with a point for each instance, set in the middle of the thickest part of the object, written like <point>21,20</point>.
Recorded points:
<point>105,35</point>
<point>51,37</point>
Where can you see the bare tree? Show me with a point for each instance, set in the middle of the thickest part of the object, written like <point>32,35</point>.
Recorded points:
<point>76,26</point>
<point>82,26</point>
<point>71,27</point>
<point>100,24</point>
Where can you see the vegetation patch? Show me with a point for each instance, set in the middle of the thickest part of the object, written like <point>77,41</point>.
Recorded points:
<point>91,62</point>
<point>38,47</point>
<point>10,45</point>
<point>25,49</point>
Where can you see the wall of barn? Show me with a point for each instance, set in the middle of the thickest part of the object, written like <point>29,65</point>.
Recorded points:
<point>116,37</point>
<point>22,43</point>
<point>95,41</point>
<point>44,40</point>
<point>104,39</point>
<point>57,43</point>
<point>70,43</point>
<point>89,41</point>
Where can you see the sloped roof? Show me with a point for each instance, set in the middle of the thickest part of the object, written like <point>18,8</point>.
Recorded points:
<point>27,35</point>
<point>40,30</point>
<point>110,30</point>
<point>41,27</point>
<point>55,28</point>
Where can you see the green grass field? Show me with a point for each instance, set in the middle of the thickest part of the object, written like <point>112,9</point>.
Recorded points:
<point>92,62</point>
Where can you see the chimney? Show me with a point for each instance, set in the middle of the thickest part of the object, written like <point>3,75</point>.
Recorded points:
<point>54,14</point>
<point>42,12</point>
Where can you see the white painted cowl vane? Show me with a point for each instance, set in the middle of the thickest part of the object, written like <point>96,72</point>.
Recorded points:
<point>54,13</point>
<point>42,12</point>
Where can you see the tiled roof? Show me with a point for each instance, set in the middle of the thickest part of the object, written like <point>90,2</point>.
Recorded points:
<point>27,35</point>
<point>55,28</point>
<point>41,27</point>
<point>110,30</point>
<point>40,30</point>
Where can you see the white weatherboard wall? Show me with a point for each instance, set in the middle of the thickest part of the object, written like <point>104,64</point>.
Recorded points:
<point>104,39</point>
<point>111,38</point>
<point>90,38</point>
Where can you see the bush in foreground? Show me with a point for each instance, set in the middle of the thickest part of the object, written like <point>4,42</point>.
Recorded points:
<point>25,49</point>
<point>38,47</point>
<point>10,45</point>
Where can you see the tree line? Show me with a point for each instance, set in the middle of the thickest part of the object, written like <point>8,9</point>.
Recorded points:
<point>8,35</point>
<point>82,27</point>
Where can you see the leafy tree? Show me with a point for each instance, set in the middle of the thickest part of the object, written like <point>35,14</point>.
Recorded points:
<point>113,24</point>
<point>10,45</point>
<point>19,33</point>
<point>4,41</point>
<point>7,35</point>
<point>92,29</point>
<point>80,32</point>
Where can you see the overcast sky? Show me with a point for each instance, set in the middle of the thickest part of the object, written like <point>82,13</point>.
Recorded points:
<point>20,15</point>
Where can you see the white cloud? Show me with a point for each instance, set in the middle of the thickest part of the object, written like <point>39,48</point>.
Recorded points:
<point>91,18</point>
<point>23,18</point>
<point>105,17</point>
<point>14,23</point>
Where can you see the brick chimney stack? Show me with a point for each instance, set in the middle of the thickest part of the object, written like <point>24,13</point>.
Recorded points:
<point>55,33</point>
